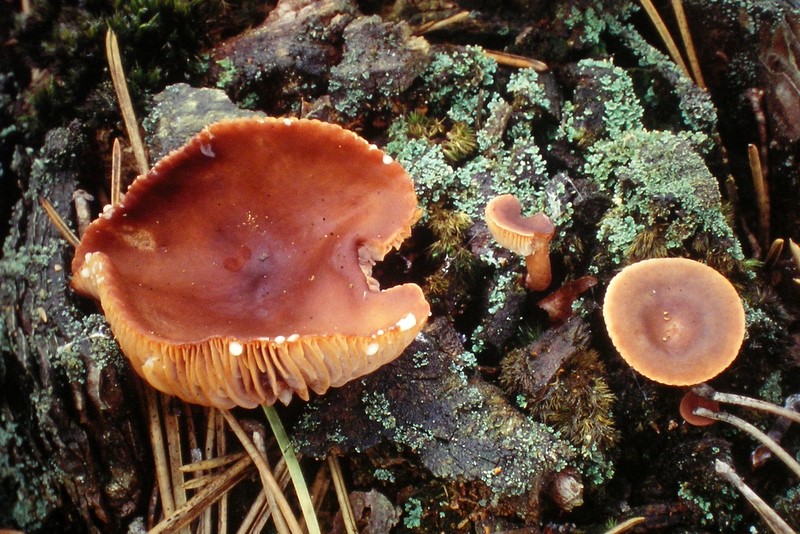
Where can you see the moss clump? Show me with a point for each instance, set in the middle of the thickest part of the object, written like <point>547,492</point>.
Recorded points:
<point>449,252</point>
<point>160,42</point>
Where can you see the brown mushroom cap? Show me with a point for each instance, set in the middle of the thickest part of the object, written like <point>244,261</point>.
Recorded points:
<point>690,402</point>
<point>521,235</point>
<point>237,271</point>
<point>674,320</point>
<point>528,236</point>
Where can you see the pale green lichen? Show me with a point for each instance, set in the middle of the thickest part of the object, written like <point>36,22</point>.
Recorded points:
<point>528,91</point>
<point>376,407</point>
<point>456,80</point>
<point>657,180</point>
<point>614,99</point>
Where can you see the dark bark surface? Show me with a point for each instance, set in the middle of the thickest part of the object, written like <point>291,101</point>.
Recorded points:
<point>69,420</point>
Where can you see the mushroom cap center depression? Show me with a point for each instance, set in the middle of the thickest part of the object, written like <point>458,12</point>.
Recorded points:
<point>260,236</point>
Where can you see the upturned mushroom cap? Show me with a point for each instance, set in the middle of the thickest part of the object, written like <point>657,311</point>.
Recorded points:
<point>528,236</point>
<point>238,270</point>
<point>674,320</point>
<point>690,402</point>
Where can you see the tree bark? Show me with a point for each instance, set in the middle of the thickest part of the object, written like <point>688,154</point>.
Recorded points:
<point>72,450</point>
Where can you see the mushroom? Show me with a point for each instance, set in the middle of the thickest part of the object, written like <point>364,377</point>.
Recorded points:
<point>238,270</point>
<point>675,320</point>
<point>528,236</point>
<point>690,402</point>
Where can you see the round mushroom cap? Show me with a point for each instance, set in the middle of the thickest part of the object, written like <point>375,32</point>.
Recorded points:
<point>522,235</point>
<point>675,320</point>
<point>238,270</point>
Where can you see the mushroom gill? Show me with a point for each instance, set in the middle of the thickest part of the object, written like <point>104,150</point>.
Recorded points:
<point>238,270</point>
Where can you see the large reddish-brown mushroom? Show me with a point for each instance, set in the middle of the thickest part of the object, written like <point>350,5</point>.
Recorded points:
<point>674,320</point>
<point>528,236</point>
<point>238,270</point>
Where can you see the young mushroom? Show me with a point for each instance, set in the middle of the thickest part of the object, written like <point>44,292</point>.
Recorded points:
<point>690,402</point>
<point>238,270</point>
<point>674,320</point>
<point>528,236</point>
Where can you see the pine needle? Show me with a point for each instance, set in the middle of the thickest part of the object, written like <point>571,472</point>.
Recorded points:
<point>762,194</point>
<point>292,463</point>
<point>59,223</point>
<point>282,511</point>
<point>341,494</point>
<point>688,43</point>
<point>116,173</point>
<point>159,456</point>
<point>663,32</point>
<point>216,488</point>
<point>124,98</point>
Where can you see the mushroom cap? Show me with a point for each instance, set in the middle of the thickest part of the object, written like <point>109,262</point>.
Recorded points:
<point>238,270</point>
<point>675,320</point>
<point>522,235</point>
<point>692,400</point>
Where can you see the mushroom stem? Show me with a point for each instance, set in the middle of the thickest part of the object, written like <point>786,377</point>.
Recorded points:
<point>744,426</point>
<point>770,517</point>
<point>539,272</point>
<point>704,390</point>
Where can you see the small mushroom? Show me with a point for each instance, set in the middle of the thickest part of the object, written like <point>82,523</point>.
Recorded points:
<point>690,402</point>
<point>674,320</point>
<point>528,236</point>
<point>238,270</point>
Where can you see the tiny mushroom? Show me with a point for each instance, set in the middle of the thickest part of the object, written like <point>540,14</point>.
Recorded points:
<point>690,402</point>
<point>528,236</point>
<point>675,320</point>
<point>238,270</point>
